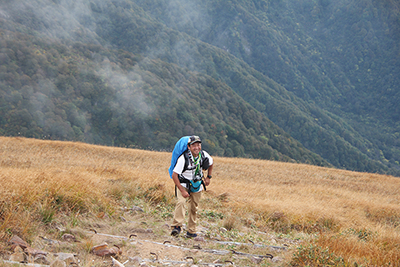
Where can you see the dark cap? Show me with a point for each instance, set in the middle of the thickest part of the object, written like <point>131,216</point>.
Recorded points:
<point>194,139</point>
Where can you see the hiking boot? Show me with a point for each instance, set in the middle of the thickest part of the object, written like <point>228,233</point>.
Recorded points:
<point>176,231</point>
<point>190,235</point>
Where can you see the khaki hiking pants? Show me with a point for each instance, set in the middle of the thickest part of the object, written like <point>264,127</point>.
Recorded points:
<point>192,204</point>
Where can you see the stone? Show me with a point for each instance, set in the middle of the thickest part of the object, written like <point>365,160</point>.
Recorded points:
<point>276,259</point>
<point>18,257</point>
<point>41,259</point>
<point>58,263</point>
<point>257,260</point>
<point>133,261</point>
<point>103,250</point>
<point>34,252</point>
<point>116,263</point>
<point>68,238</point>
<point>17,241</point>
<point>136,208</point>
<point>68,258</point>
<point>199,239</point>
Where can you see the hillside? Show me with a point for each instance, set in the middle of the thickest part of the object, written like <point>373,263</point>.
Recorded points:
<point>341,61</point>
<point>67,199</point>
<point>129,73</point>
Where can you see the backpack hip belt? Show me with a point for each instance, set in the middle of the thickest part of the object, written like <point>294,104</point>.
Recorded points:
<point>189,184</point>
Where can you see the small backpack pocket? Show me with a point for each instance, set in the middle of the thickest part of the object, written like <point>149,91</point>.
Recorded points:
<point>195,186</point>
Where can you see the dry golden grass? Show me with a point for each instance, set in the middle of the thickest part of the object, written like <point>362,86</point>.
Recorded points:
<point>356,216</point>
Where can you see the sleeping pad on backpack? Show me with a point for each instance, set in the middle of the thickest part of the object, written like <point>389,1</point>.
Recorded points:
<point>180,147</point>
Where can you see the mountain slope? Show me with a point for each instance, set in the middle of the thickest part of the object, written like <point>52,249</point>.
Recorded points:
<point>339,55</point>
<point>87,93</point>
<point>127,97</point>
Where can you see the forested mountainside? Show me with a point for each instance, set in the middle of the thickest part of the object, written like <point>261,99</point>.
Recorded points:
<point>304,81</point>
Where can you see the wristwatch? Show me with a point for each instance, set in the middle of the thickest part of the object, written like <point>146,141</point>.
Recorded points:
<point>209,176</point>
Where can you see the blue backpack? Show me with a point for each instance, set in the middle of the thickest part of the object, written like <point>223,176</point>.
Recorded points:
<point>180,147</point>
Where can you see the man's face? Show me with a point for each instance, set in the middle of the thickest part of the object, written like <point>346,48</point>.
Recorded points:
<point>195,148</point>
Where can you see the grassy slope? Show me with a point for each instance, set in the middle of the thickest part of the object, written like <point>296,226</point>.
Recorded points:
<point>334,215</point>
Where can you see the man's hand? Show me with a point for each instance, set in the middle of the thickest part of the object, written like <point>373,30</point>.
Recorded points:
<point>183,190</point>
<point>207,180</point>
<point>184,193</point>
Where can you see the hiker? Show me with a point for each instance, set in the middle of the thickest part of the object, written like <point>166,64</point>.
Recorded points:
<point>188,177</point>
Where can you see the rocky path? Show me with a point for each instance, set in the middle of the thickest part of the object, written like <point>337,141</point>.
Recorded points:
<point>142,240</point>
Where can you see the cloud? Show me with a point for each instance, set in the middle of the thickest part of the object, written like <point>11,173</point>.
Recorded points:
<point>128,87</point>
<point>63,19</point>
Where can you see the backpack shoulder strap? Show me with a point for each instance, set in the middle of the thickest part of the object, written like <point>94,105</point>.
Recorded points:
<point>186,156</point>
<point>202,158</point>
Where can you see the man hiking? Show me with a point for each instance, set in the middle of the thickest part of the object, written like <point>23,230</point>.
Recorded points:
<point>188,178</point>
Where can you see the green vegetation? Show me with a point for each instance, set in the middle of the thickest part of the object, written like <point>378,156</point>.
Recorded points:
<point>315,256</point>
<point>259,79</point>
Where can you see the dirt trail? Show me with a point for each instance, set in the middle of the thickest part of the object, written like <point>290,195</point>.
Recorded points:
<point>146,241</point>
